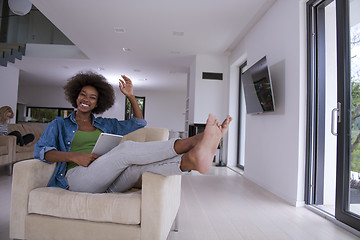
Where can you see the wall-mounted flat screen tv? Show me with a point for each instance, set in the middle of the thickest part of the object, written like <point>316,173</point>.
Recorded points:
<point>258,89</point>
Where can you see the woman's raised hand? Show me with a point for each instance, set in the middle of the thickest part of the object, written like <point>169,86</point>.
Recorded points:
<point>127,89</point>
<point>126,86</point>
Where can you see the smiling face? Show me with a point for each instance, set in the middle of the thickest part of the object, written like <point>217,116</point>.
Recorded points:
<point>87,99</point>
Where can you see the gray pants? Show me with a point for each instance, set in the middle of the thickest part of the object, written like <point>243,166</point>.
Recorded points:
<point>119,169</point>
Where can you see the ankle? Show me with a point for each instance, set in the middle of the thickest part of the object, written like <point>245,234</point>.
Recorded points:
<point>183,145</point>
<point>178,146</point>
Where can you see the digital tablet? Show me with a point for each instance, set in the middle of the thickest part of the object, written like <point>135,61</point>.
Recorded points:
<point>106,142</point>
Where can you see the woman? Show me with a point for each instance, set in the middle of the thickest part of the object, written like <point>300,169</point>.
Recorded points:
<point>69,141</point>
<point>6,113</point>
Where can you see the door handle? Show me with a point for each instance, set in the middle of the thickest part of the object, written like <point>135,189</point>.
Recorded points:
<point>336,110</point>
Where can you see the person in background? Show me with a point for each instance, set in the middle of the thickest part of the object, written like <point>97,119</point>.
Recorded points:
<point>6,113</point>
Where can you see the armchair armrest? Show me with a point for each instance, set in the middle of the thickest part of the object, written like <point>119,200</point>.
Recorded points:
<point>159,204</point>
<point>10,143</point>
<point>27,175</point>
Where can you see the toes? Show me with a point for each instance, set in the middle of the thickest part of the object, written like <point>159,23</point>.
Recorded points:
<point>226,121</point>
<point>217,123</point>
<point>211,119</point>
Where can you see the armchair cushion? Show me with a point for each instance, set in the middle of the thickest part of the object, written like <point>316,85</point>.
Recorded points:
<point>123,208</point>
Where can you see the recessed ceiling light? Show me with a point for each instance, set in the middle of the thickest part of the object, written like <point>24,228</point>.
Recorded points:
<point>137,70</point>
<point>126,49</point>
<point>175,52</point>
<point>66,67</point>
<point>119,30</point>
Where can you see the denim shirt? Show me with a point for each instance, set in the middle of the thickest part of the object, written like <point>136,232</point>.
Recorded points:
<point>59,135</point>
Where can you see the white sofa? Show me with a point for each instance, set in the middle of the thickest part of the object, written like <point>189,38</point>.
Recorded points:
<point>11,153</point>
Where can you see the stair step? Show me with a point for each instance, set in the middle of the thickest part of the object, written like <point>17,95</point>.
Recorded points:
<point>9,57</point>
<point>22,49</point>
<point>16,54</point>
<point>10,52</point>
<point>3,62</point>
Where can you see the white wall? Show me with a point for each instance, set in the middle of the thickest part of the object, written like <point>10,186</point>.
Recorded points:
<point>208,96</point>
<point>165,109</point>
<point>275,142</point>
<point>42,96</point>
<point>9,79</point>
<point>162,108</point>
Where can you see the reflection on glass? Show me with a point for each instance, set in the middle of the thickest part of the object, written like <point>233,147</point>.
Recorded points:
<point>354,194</point>
<point>263,91</point>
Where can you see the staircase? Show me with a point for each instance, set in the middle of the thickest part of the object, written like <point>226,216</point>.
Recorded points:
<point>11,51</point>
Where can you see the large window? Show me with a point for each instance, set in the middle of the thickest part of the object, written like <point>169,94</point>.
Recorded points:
<point>45,115</point>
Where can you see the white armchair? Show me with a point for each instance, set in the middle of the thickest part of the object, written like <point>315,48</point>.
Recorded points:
<point>39,212</point>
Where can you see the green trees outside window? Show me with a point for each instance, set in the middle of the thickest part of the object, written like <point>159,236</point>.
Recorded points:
<point>128,109</point>
<point>355,95</point>
<point>45,115</point>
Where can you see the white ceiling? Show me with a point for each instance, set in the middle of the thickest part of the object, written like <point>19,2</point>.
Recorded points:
<point>150,29</point>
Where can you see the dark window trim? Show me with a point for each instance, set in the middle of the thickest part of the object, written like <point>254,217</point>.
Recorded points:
<point>131,109</point>
<point>344,126</point>
<point>239,118</point>
<point>315,132</point>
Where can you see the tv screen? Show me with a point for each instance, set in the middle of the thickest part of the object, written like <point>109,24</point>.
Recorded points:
<point>258,88</point>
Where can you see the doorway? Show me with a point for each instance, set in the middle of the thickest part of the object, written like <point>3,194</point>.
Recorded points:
<point>322,100</point>
<point>242,119</point>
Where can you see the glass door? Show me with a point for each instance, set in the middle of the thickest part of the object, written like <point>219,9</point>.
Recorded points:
<point>354,203</point>
<point>348,150</point>
<point>322,100</point>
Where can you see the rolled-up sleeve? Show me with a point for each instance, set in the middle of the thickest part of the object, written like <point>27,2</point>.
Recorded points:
<point>123,127</point>
<point>47,141</point>
<point>43,151</point>
<point>138,121</point>
<point>131,125</point>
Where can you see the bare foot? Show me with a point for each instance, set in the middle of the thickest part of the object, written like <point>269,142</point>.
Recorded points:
<point>225,125</point>
<point>184,145</point>
<point>201,156</point>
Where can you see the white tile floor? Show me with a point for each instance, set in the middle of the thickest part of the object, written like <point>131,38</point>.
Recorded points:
<point>225,205</point>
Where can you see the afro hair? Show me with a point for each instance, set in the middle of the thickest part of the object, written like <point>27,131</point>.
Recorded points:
<point>106,96</point>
